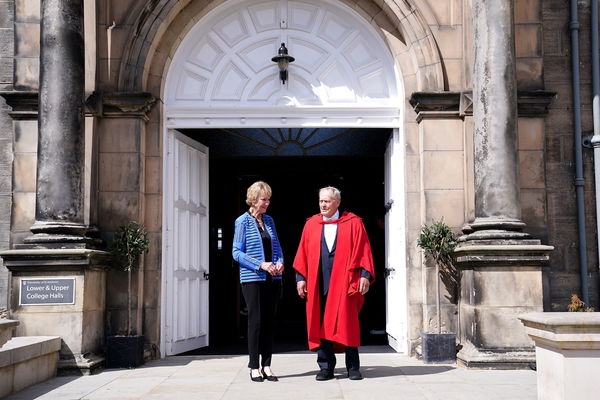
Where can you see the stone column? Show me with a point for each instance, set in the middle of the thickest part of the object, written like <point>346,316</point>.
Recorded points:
<point>59,196</point>
<point>495,116</point>
<point>500,264</point>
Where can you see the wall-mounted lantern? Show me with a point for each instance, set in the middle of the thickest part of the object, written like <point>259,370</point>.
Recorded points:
<point>283,60</point>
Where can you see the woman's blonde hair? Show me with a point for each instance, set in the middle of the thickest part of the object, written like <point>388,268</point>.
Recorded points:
<point>255,190</point>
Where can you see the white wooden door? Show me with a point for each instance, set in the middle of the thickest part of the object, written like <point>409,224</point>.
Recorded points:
<point>185,234</point>
<point>395,245</point>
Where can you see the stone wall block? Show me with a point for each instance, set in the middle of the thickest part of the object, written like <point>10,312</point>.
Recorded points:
<point>449,318</point>
<point>153,175</point>
<point>450,42</point>
<point>149,325</point>
<point>533,206</point>
<point>26,73</point>
<point>531,133</point>
<point>411,138</point>
<point>27,39</point>
<point>152,284</point>
<point>413,214</point>
<point>413,167</point>
<point>528,41</point>
<point>153,214</point>
<point>119,135</point>
<point>443,170</point>
<point>492,285</point>
<point>119,172</point>
<point>25,172</point>
<point>6,42</point>
<point>117,208</point>
<point>6,156</point>
<point>152,259</point>
<point>485,333</point>
<point>530,73</point>
<point>27,10</point>
<point>531,169</point>
<point>455,74</point>
<point>7,16</point>
<point>6,73</point>
<point>26,134</point>
<point>446,204</point>
<point>442,134</point>
<point>23,211</point>
<point>528,11</point>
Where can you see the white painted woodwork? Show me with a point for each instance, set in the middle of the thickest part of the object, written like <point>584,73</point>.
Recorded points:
<point>222,76</point>
<point>224,61</point>
<point>395,245</point>
<point>185,248</point>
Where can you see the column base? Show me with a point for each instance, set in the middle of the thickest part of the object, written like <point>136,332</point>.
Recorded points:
<point>61,235</point>
<point>88,364</point>
<point>474,358</point>
<point>501,278</point>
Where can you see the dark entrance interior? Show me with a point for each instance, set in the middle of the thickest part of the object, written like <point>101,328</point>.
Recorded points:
<point>295,168</point>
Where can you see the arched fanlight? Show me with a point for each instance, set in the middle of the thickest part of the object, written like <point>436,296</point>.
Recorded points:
<point>283,60</point>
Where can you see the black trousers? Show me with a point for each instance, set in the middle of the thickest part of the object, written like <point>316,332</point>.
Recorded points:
<point>326,355</point>
<point>261,300</point>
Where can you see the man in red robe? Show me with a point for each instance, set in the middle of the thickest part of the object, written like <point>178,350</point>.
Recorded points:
<point>334,269</point>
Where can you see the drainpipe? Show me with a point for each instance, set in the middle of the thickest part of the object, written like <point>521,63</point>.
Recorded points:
<point>596,111</point>
<point>579,181</point>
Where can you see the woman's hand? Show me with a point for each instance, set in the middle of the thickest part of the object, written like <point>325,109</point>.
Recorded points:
<point>279,268</point>
<point>269,267</point>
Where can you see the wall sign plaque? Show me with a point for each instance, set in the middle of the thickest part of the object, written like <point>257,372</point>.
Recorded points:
<point>47,291</point>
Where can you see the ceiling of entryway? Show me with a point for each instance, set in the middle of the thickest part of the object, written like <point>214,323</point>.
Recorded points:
<point>291,141</point>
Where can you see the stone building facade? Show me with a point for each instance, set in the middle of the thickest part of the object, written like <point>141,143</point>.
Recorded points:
<point>473,100</point>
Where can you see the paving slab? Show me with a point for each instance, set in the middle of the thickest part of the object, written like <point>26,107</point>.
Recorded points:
<point>387,375</point>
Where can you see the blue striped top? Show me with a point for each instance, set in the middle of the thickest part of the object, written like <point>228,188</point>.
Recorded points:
<point>248,248</point>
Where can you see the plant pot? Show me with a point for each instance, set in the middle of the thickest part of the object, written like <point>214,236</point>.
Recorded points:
<point>438,347</point>
<point>124,351</point>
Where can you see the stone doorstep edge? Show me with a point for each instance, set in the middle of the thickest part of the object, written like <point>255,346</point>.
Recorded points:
<point>24,348</point>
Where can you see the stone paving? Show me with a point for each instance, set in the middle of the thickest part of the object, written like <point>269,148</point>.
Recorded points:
<point>386,376</point>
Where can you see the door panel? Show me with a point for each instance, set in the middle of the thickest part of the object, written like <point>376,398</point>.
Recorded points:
<point>186,258</point>
<point>395,245</point>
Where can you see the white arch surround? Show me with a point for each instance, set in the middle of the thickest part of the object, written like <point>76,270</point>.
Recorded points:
<point>222,74</point>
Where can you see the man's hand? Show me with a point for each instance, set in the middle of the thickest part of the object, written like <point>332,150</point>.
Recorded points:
<point>301,288</point>
<point>363,286</point>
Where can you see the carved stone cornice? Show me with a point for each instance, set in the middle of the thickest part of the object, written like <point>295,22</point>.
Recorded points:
<point>448,105</point>
<point>121,104</point>
<point>24,104</point>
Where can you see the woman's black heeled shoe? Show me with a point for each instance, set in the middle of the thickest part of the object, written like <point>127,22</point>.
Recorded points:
<point>256,378</point>
<point>270,378</point>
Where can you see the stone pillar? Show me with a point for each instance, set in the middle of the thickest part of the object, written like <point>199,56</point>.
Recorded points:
<point>495,116</point>
<point>60,249</point>
<point>500,264</point>
<point>59,193</point>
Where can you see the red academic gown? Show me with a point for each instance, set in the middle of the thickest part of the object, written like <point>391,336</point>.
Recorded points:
<point>340,320</point>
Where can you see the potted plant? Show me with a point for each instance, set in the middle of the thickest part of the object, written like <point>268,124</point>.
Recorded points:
<point>128,243</point>
<point>438,243</point>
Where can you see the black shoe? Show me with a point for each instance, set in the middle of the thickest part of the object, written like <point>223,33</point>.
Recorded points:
<point>256,378</point>
<point>270,378</point>
<point>354,375</point>
<point>324,375</point>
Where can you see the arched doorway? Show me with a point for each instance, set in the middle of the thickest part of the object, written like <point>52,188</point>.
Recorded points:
<point>222,77</point>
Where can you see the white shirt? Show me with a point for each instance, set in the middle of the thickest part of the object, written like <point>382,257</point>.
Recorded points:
<point>330,230</point>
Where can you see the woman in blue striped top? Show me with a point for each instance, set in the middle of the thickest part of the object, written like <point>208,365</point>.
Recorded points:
<point>256,248</point>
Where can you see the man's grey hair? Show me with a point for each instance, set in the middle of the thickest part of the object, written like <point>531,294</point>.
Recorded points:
<point>335,192</point>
